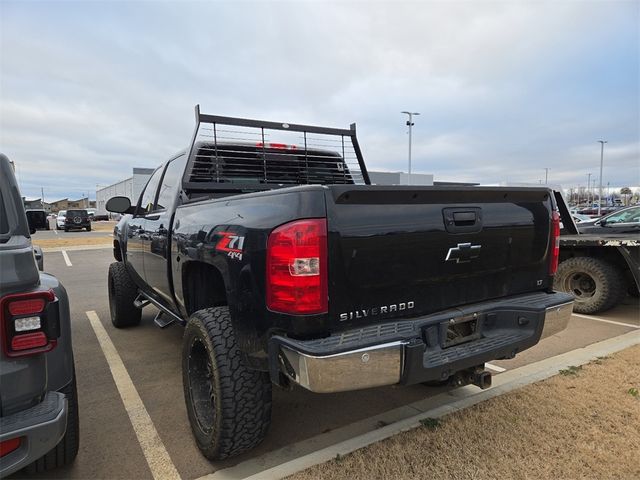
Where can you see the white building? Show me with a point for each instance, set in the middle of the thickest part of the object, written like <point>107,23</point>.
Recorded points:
<point>130,187</point>
<point>400,178</point>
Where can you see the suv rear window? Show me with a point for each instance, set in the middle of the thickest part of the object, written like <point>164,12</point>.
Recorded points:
<point>77,213</point>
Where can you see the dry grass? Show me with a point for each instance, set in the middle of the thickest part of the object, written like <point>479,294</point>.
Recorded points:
<point>103,226</point>
<point>72,241</point>
<point>582,424</point>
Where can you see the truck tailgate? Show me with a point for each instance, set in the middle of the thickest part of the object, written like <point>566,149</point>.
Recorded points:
<point>407,251</point>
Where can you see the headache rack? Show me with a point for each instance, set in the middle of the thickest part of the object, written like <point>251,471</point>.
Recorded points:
<point>229,155</point>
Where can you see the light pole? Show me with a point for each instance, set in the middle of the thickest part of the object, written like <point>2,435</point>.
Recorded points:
<point>602,142</point>
<point>546,175</point>
<point>410,124</point>
<point>588,186</point>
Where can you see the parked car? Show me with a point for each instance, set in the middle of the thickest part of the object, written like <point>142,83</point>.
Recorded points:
<point>77,220</point>
<point>578,218</point>
<point>38,218</point>
<point>62,214</point>
<point>284,271</point>
<point>38,398</point>
<point>625,220</point>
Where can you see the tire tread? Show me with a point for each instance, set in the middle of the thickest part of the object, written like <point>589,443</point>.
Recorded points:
<point>125,292</point>
<point>244,394</point>
<point>610,287</point>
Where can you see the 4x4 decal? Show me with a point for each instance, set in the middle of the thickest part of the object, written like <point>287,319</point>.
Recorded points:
<point>231,244</point>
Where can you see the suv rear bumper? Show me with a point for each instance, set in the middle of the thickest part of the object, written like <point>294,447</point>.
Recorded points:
<point>40,428</point>
<point>421,349</point>
<point>73,225</point>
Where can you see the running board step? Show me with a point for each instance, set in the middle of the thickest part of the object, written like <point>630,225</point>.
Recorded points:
<point>162,320</point>
<point>141,301</point>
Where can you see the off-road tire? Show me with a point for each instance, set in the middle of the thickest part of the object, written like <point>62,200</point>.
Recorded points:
<point>122,293</point>
<point>65,452</point>
<point>228,404</point>
<point>597,285</point>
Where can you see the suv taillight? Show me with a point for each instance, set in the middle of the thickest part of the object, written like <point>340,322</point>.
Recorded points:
<point>297,268</point>
<point>28,325</point>
<point>554,243</point>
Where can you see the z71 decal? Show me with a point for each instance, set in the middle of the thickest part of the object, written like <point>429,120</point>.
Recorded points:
<point>231,244</point>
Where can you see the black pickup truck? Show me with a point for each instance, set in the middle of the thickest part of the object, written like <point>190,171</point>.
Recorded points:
<point>267,241</point>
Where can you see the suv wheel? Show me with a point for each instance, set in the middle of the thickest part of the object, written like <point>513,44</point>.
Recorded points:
<point>122,294</point>
<point>228,404</point>
<point>597,285</point>
<point>65,452</point>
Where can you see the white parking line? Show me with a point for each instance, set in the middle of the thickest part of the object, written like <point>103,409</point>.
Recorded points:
<point>154,450</point>
<point>495,368</point>
<point>55,231</point>
<point>66,259</point>
<point>597,319</point>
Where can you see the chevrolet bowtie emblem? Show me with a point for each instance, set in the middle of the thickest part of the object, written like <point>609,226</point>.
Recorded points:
<point>463,253</point>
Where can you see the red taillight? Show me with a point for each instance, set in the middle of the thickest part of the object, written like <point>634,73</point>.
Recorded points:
<point>297,268</point>
<point>8,446</point>
<point>554,244</point>
<point>25,324</point>
<point>279,146</point>
<point>28,341</point>
<point>26,307</point>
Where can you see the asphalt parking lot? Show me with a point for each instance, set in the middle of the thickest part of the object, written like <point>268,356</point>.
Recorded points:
<point>109,446</point>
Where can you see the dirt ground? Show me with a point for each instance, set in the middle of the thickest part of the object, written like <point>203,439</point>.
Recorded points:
<point>103,226</point>
<point>72,241</point>
<point>583,423</point>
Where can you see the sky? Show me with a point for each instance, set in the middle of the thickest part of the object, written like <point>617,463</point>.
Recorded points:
<point>89,90</point>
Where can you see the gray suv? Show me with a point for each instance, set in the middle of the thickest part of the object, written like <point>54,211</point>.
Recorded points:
<point>38,398</point>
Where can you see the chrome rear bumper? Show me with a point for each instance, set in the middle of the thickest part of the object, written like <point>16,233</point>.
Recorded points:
<point>415,358</point>
<point>354,370</point>
<point>556,319</point>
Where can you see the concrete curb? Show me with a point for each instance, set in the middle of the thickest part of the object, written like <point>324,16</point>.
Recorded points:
<point>265,467</point>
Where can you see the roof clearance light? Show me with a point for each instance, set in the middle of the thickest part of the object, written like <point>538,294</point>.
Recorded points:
<point>279,146</point>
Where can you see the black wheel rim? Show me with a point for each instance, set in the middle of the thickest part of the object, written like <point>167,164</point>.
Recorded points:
<point>201,385</point>
<point>581,285</point>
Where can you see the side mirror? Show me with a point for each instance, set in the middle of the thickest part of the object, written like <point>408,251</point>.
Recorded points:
<point>119,205</point>
<point>603,222</point>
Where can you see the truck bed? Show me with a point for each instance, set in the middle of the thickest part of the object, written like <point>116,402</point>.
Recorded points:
<point>592,240</point>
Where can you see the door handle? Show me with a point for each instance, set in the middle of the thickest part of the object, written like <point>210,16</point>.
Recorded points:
<point>464,218</point>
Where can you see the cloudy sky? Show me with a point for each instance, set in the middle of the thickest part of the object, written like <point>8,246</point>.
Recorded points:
<point>89,90</point>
